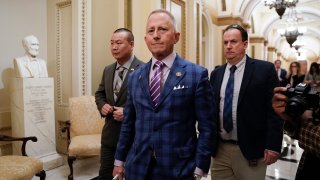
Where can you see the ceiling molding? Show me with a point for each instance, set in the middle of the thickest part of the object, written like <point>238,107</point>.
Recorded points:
<point>257,40</point>
<point>224,21</point>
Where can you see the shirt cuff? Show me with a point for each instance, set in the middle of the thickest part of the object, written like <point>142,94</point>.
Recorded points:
<point>199,172</point>
<point>118,163</point>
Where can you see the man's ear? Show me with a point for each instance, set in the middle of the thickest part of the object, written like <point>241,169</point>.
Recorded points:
<point>176,37</point>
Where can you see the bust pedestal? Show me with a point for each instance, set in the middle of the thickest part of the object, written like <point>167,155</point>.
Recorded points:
<point>32,114</point>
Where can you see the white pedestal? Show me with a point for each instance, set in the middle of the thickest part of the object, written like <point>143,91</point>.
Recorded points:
<point>32,114</point>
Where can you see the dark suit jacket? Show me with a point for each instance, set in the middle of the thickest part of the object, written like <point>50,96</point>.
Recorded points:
<point>104,94</point>
<point>168,130</point>
<point>296,80</point>
<point>283,74</point>
<point>258,126</point>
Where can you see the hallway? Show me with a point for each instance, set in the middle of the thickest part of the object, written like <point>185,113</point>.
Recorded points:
<point>284,169</point>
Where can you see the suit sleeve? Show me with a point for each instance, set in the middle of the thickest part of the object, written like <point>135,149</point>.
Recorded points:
<point>206,124</point>
<point>127,131</point>
<point>100,94</point>
<point>275,124</point>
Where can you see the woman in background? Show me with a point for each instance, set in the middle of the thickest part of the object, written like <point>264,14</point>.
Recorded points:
<point>294,77</point>
<point>313,76</point>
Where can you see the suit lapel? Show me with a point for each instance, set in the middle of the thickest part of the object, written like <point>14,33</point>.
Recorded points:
<point>124,85</point>
<point>144,79</point>
<point>247,75</point>
<point>109,81</point>
<point>219,76</point>
<point>177,72</point>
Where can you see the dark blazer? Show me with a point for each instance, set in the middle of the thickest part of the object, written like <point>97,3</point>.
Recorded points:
<point>296,80</point>
<point>169,130</point>
<point>283,74</point>
<point>104,94</point>
<point>258,126</point>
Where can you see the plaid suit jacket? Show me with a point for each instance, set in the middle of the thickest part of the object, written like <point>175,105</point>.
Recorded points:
<point>168,131</point>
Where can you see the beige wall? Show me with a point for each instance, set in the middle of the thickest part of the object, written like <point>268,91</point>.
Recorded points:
<point>104,22</point>
<point>18,19</point>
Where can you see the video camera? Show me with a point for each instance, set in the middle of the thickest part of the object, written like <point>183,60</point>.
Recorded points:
<point>301,98</point>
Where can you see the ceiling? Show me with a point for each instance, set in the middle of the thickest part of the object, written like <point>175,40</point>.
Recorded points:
<point>265,23</point>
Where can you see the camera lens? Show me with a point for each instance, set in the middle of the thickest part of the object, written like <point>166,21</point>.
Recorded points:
<point>296,106</point>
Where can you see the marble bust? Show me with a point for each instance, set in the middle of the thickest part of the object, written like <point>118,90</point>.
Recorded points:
<point>29,65</point>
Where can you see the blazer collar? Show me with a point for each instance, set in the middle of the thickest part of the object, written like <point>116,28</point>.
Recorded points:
<point>247,76</point>
<point>134,65</point>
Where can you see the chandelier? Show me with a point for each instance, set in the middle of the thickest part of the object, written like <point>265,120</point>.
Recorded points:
<point>291,34</point>
<point>280,5</point>
<point>292,31</point>
<point>297,47</point>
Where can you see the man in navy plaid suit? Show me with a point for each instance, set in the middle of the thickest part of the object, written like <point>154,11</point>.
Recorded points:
<point>160,141</point>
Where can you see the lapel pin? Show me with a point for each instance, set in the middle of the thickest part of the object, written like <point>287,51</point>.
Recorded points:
<point>178,74</point>
<point>132,69</point>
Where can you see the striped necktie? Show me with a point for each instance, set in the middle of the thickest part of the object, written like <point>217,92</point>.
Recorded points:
<point>119,80</point>
<point>155,85</point>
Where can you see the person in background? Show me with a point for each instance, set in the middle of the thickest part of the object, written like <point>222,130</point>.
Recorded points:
<point>313,75</point>
<point>306,129</point>
<point>167,97</point>
<point>294,76</point>
<point>29,65</point>
<point>250,132</point>
<point>282,73</point>
<point>111,96</point>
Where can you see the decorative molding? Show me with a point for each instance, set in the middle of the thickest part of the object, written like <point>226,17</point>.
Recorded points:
<point>271,49</point>
<point>128,14</point>
<point>256,40</point>
<point>182,4</point>
<point>58,49</point>
<point>64,4</point>
<point>224,21</point>
<point>253,51</point>
<point>223,5</point>
<point>83,46</point>
<point>163,4</point>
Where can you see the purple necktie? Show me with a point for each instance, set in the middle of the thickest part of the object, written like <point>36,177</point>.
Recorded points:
<point>155,85</point>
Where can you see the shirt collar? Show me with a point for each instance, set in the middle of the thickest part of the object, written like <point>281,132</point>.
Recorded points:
<point>240,64</point>
<point>127,64</point>
<point>168,61</point>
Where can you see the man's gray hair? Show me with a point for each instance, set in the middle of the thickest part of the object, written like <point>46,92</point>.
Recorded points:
<point>173,20</point>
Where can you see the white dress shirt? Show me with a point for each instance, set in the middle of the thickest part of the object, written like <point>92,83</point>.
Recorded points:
<point>236,90</point>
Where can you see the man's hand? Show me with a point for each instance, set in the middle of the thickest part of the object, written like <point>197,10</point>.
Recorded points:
<point>118,170</point>
<point>279,102</point>
<point>106,109</point>
<point>118,113</point>
<point>270,157</point>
